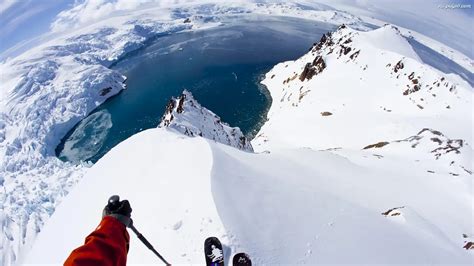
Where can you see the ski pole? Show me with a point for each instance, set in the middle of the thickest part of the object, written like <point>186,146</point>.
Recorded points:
<point>147,244</point>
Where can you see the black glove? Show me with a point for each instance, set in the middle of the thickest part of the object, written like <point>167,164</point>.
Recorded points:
<point>120,210</point>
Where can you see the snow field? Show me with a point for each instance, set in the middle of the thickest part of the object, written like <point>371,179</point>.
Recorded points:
<point>166,178</point>
<point>288,206</point>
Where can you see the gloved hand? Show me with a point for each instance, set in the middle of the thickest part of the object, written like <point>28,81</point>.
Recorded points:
<point>120,210</point>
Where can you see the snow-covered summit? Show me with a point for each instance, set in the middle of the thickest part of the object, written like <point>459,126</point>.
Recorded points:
<point>353,89</point>
<point>185,115</point>
<point>389,38</point>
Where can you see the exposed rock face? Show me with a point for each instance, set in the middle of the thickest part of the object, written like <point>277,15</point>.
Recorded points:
<point>469,245</point>
<point>393,212</point>
<point>376,145</point>
<point>325,40</point>
<point>338,42</point>
<point>398,66</point>
<point>344,50</point>
<point>314,68</point>
<point>185,115</point>
<point>442,144</point>
<point>308,72</point>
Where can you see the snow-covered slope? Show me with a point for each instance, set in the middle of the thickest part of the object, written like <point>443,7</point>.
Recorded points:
<point>353,89</point>
<point>46,90</point>
<point>290,206</point>
<point>185,115</point>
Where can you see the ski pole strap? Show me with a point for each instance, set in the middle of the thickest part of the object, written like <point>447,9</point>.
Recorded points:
<point>147,244</point>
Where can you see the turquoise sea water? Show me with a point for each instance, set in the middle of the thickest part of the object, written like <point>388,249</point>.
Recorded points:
<point>222,67</point>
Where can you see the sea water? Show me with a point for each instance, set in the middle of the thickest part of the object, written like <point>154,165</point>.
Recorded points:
<point>222,67</point>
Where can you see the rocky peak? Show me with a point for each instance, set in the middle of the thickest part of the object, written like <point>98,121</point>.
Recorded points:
<point>185,115</point>
<point>338,41</point>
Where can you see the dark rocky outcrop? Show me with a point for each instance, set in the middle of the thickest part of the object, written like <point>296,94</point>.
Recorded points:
<point>168,115</point>
<point>354,55</point>
<point>376,145</point>
<point>393,212</point>
<point>398,66</point>
<point>344,50</point>
<point>415,88</point>
<point>445,145</point>
<point>180,103</point>
<point>314,68</point>
<point>469,245</point>
<point>325,40</point>
<point>306,72</point>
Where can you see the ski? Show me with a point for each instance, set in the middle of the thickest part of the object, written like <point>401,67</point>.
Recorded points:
<point>213,252</point>
<point>241,259</point>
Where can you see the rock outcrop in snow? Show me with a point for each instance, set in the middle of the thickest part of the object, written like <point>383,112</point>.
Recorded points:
<point>452,156</point>
<point>185,115</point>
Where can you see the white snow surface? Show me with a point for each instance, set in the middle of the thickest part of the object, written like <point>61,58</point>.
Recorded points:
<point>289,206</point>
<point>48,89</point>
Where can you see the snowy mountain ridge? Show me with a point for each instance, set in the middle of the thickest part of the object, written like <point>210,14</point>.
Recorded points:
<point>236,196</point>
<point>46,90</point>
<point>185,115</point>
<point>352,80</point>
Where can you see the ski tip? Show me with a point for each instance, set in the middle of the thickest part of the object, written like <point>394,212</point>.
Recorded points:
<point>213,252</point>
<point>241,259</point>
<point>212,240</point>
